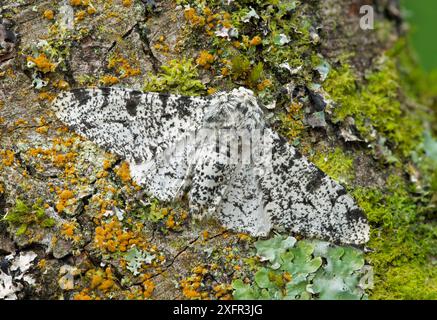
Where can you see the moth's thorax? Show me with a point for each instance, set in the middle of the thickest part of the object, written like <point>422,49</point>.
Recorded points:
<point>237,109</point>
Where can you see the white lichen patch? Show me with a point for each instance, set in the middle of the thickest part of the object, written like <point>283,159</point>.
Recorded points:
<point>14,274</point>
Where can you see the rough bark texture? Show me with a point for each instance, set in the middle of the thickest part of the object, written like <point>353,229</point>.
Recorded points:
<point>64,193</point>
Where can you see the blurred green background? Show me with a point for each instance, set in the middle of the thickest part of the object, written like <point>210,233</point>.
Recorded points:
<point>422,16</point>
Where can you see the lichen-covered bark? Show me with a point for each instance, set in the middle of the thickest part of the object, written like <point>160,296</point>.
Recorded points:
<point>341,95</point>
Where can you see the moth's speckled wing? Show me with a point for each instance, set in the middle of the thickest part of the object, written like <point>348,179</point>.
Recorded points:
<point>159,135</point>
<point>301,197</point>
<point>130,123</point>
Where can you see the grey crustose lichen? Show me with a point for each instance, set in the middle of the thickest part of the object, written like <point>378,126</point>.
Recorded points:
<point>220,152</point>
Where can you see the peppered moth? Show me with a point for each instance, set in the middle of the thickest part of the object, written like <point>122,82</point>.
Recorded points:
<point>218,150</point>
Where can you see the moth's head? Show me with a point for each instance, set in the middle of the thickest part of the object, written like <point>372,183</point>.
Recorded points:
<point>238,108</point>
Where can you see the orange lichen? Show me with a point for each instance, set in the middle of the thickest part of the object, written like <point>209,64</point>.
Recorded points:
<point>170,223</point>
<point>42,263</point>
<point>42,130</point>
<point>62,85</point>
<point>287,277</point>
<point>255,41</point>
<point>8,157</point>
<point>223,291</point>
<point>102,283</point>
<point>76,3</point>
<point>66,195</point>
<point>83,295</point>
<point>243,237</point>
<point>225,71</point>
<point>68,230</point>
<point>111,237</point>
<point>60,206</point>
<point>46,96</point>
<point>80,15</point>
<point>192,16</point>
<point>191,286</point>
<point>236,44</point>
<point>124,172</point>
<point>127,3</point>
<point>205,235</point>
<point>149,287</point>
<point>122,66</point>
<point>49,14</point>
<point>264,84</point>
<point>91,10</point>
<point>109,80</point>
<point>205,59</point>
<point>161,46</point>
<point>42,63</point>
<point>106,285</point>
<point>106,164</point>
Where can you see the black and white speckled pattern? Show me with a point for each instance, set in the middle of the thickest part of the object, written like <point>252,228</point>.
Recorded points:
<point>179,145</point>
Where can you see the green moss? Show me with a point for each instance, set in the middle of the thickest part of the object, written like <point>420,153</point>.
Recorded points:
<point>375,104</point>
<point>258,64</point>
<point>291,125</point>
<point>22,216</point>
<point>240,67</point>
<point>179,77</point>
<point>402,244</point>
<point>408,282</point>
<point>337,165</point>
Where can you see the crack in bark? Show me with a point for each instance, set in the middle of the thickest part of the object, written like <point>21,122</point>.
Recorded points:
<point>147,50</point>
<point>178,254</point>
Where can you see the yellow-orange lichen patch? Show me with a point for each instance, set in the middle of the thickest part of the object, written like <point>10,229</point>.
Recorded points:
<point>42,263</point>
<point>161,46</point>
<point>62,85</point>
<point>80,15</point>
<point>127,3</point>
<point>83,295</point>
<point>122,67</point>
<point>109,80</point>
<point>91,10</point>
<point>223,291</point>
<point>107,164</point>
<point>49,14</point>
<point>211,90</point>
<point>42,63</point>
<point>101,283</point>
<point>264,84</point>
<point>20,122</point>
<point>7,157</point>
<point>149,287</point>
<point>255,41</point>
<point>46,96</point>
<point>75,3</point>
<point>205,59</point>
<point>124,172</point>
<point>192,16</point>
<point>64,196</point>
<point>42,130</point>
<point>68,229</point>
<point>170,223</point>
<point>205,235</point>
<point>110,237</point>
